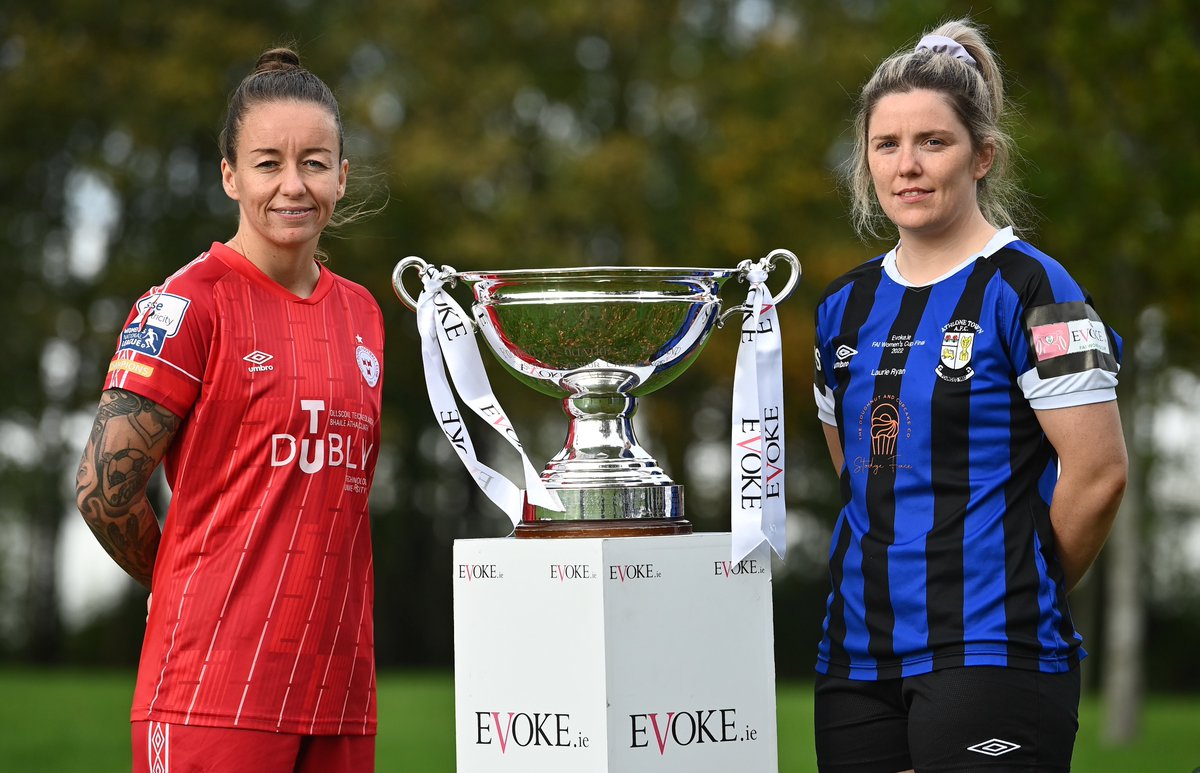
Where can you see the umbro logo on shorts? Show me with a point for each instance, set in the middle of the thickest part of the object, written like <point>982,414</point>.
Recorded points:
<point>994,747</point>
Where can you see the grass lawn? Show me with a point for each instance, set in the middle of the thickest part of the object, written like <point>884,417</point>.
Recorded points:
<point>72,721</point>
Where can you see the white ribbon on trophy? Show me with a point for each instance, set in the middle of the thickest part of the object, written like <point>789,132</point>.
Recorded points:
<point>446,331</point>
<point>756,449</point>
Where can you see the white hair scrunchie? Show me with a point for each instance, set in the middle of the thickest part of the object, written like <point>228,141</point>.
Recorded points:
<point>940,44</point>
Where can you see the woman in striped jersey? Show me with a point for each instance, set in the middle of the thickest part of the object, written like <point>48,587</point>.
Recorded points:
<point>967,388</point>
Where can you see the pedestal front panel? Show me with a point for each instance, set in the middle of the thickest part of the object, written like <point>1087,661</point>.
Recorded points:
<point>626,654</point>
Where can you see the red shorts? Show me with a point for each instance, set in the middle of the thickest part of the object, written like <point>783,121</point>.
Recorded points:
<point>163,748</point>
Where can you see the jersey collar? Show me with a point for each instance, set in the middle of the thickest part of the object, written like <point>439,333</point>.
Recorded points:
<point>999,239</point>
<point>238,262</point>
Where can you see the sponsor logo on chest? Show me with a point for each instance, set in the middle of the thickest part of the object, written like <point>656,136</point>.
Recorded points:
<point>332,438</point>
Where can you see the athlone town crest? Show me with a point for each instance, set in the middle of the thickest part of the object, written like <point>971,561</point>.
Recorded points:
<point>958,344</point>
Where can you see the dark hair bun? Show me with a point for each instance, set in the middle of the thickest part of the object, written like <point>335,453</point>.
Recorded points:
<point>277,59</point>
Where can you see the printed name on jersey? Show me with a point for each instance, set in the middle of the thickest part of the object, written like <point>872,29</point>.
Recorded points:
<point>817,357</point>
<point>958,344</point>
<point>368,365</point>
<point>1066,338</point>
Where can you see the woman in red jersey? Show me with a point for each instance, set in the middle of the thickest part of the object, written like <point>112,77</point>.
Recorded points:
<point>253,373</point>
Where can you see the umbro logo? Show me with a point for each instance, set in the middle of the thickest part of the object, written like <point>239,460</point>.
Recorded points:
<point>994,747</point>
<point>258,361</point>
<point>844,353</point>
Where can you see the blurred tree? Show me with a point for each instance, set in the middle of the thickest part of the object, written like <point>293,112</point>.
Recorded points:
<point>522,134</point>
<point>1115,170</point>
<point>109,135</point>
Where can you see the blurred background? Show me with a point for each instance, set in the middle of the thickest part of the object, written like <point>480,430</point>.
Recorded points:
<point>509,134</point>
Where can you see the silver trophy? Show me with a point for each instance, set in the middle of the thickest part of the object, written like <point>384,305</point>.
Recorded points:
<point>599,338</point>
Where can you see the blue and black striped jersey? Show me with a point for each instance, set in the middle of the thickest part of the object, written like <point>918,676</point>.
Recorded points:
<point>943,553</point>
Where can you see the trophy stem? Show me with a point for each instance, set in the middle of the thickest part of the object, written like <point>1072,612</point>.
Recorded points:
<point>601,447</point>
<point>609,485</point>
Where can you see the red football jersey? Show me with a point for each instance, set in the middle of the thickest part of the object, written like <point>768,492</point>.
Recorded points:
<point>263,585</point>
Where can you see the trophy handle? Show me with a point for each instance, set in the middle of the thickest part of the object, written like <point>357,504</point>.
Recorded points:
<point>447,273</point>
<point>744,267</point>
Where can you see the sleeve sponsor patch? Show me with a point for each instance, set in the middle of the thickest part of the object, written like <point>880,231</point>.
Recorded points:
<point>146,339</point>
<point>1061,338</point>
<point>163,310</point>
<point>159,317</point>
<point>1067,338</point>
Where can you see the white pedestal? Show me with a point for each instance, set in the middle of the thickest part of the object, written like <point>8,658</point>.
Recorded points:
<point>626,655</point>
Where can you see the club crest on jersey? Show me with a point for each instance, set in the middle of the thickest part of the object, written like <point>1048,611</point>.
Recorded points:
<point>958,345</point>
<point>368,365</point>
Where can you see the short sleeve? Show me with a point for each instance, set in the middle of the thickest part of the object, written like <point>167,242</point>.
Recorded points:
<point>822,386</point>
<point>1074,356</point>
<point>163,348</point>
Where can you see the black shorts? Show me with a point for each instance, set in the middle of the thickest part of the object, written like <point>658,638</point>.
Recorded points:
<point>955,719</point>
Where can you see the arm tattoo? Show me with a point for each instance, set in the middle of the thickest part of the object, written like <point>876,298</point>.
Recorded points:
<point>129,438</point>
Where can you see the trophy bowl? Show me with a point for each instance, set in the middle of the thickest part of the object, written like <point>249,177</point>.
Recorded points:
<point>598,339</point>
